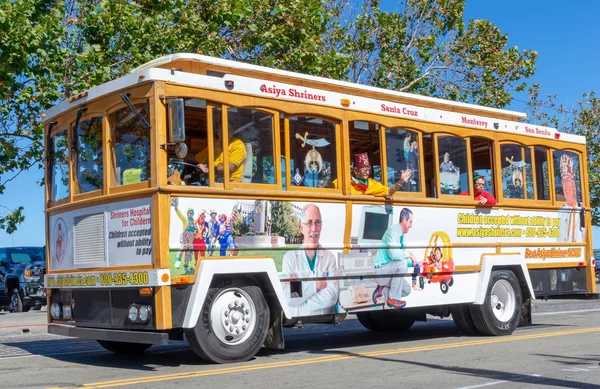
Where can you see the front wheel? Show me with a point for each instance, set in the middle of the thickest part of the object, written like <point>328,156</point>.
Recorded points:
<point>124,347</point>
<point>16,303</point>
<point>500,313</point>
<point>232,326</point>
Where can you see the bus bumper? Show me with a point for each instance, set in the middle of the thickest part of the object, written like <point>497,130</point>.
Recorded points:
<point>145,337</point>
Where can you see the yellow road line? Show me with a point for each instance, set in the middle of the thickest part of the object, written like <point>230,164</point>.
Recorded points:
<point>327,358</point>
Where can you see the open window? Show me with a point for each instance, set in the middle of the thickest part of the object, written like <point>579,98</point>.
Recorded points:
<point>364,138</point>
<point>481,161</point>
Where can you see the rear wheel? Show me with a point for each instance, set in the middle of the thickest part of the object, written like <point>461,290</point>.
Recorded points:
<point>501,311</point>
<point>232,326</point>
<point>16,303</point>
<point>386,321</point>
<point>124,347</point>
<point>461,315</point>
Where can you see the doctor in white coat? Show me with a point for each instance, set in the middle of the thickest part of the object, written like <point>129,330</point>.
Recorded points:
<point>311,260</point>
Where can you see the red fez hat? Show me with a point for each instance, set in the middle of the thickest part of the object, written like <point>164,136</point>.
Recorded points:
<point>361,161</point>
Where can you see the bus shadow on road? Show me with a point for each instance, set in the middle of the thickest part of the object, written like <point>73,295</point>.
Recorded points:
<point>352,334</point>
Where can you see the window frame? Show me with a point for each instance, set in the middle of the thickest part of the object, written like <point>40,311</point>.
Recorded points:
<point>75,156</point>
<point>275,139</point>
<point>551,185</point>
<point>383,142</point>
<point>340,182</point>
<point>525,201</point>
<point>61,126</point>
<point>110,161</point>
<point>582,164</point>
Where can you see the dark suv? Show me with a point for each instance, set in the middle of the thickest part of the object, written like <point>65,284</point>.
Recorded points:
<point>22,272</point>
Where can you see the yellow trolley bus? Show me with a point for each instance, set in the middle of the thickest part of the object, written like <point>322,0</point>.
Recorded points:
<point>221,202</point>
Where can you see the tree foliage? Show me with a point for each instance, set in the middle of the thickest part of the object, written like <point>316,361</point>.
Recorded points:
<point>285,223</point>
<point>52,49</point>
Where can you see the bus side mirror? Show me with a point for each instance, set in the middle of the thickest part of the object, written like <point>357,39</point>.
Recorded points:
<point>175,108</point>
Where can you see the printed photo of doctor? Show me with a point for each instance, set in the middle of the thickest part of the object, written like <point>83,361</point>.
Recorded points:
<point>309,261</point>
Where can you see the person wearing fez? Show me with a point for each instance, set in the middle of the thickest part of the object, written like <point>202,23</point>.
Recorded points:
<point>363,184</point>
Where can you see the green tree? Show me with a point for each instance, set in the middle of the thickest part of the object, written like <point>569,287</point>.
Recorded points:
<point>238,227</point>
<point>285,223</point>
<point>52,49</point>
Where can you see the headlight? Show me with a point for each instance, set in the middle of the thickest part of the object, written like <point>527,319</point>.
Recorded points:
<point>32,273</point>
<point>133,313</point>
<point>144,312</point>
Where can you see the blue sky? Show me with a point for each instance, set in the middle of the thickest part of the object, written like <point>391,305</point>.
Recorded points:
<point>565,35</point>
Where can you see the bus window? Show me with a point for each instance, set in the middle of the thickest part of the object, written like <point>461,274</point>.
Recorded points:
<point>481,160</point>
<point>452,160</point>
<point>542,174</point>
<point>131,144</point>
<point>428,165</point>
<point>402,153</point>
<point>59,165</point>
<point>89,155</point>
<point>313,160</point>
<point>251,145</point>
<point>528,175</point>
<point>514,171</point>
<point>567,178</point>
<point>364,138</point>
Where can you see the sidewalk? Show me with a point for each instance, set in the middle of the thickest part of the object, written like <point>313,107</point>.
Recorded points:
<point>24,322</point>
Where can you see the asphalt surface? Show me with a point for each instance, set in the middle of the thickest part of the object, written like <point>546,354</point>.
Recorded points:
<point>559,350</point>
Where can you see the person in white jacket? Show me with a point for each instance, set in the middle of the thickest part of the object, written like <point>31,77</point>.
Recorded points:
<point>311,261</point>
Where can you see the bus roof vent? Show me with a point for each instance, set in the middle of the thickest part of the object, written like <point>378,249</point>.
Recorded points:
<point>89,239</point>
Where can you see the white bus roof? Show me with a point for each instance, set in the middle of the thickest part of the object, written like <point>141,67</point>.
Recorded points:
<point>258,80</point>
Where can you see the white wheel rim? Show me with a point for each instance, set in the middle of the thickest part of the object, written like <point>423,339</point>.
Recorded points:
<point>503,300</point>
<point>233,316</point>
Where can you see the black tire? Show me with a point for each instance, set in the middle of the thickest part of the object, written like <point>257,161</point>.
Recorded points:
<point>451,281</point>
<point>16,303</point>
<point>387,320</point>
<point>206,344</point>
<point>125,348</point>
<point>367,321</point>
<point>483,315</point>
<point>421,283</point>
<point>461,315</point>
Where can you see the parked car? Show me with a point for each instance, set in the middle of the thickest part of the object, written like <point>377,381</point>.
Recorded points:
<point>596,257</point>
<point>22,272</point>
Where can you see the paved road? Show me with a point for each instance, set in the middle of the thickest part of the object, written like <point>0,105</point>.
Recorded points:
<point>561,350</point>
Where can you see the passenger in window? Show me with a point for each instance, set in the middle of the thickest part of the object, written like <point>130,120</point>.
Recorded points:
<point>362,184</point>
<point>237,157</point>
<point>480,195</point>
<point>447,166</point>
<point>413,159</point>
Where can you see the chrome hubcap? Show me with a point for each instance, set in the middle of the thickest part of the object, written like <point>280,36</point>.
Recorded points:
<point>503,300</point>
<point>233,316</point>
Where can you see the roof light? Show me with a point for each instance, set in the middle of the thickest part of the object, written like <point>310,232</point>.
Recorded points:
<point>557,135</point>
<point>345,102</point>
<point>77,97</point>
